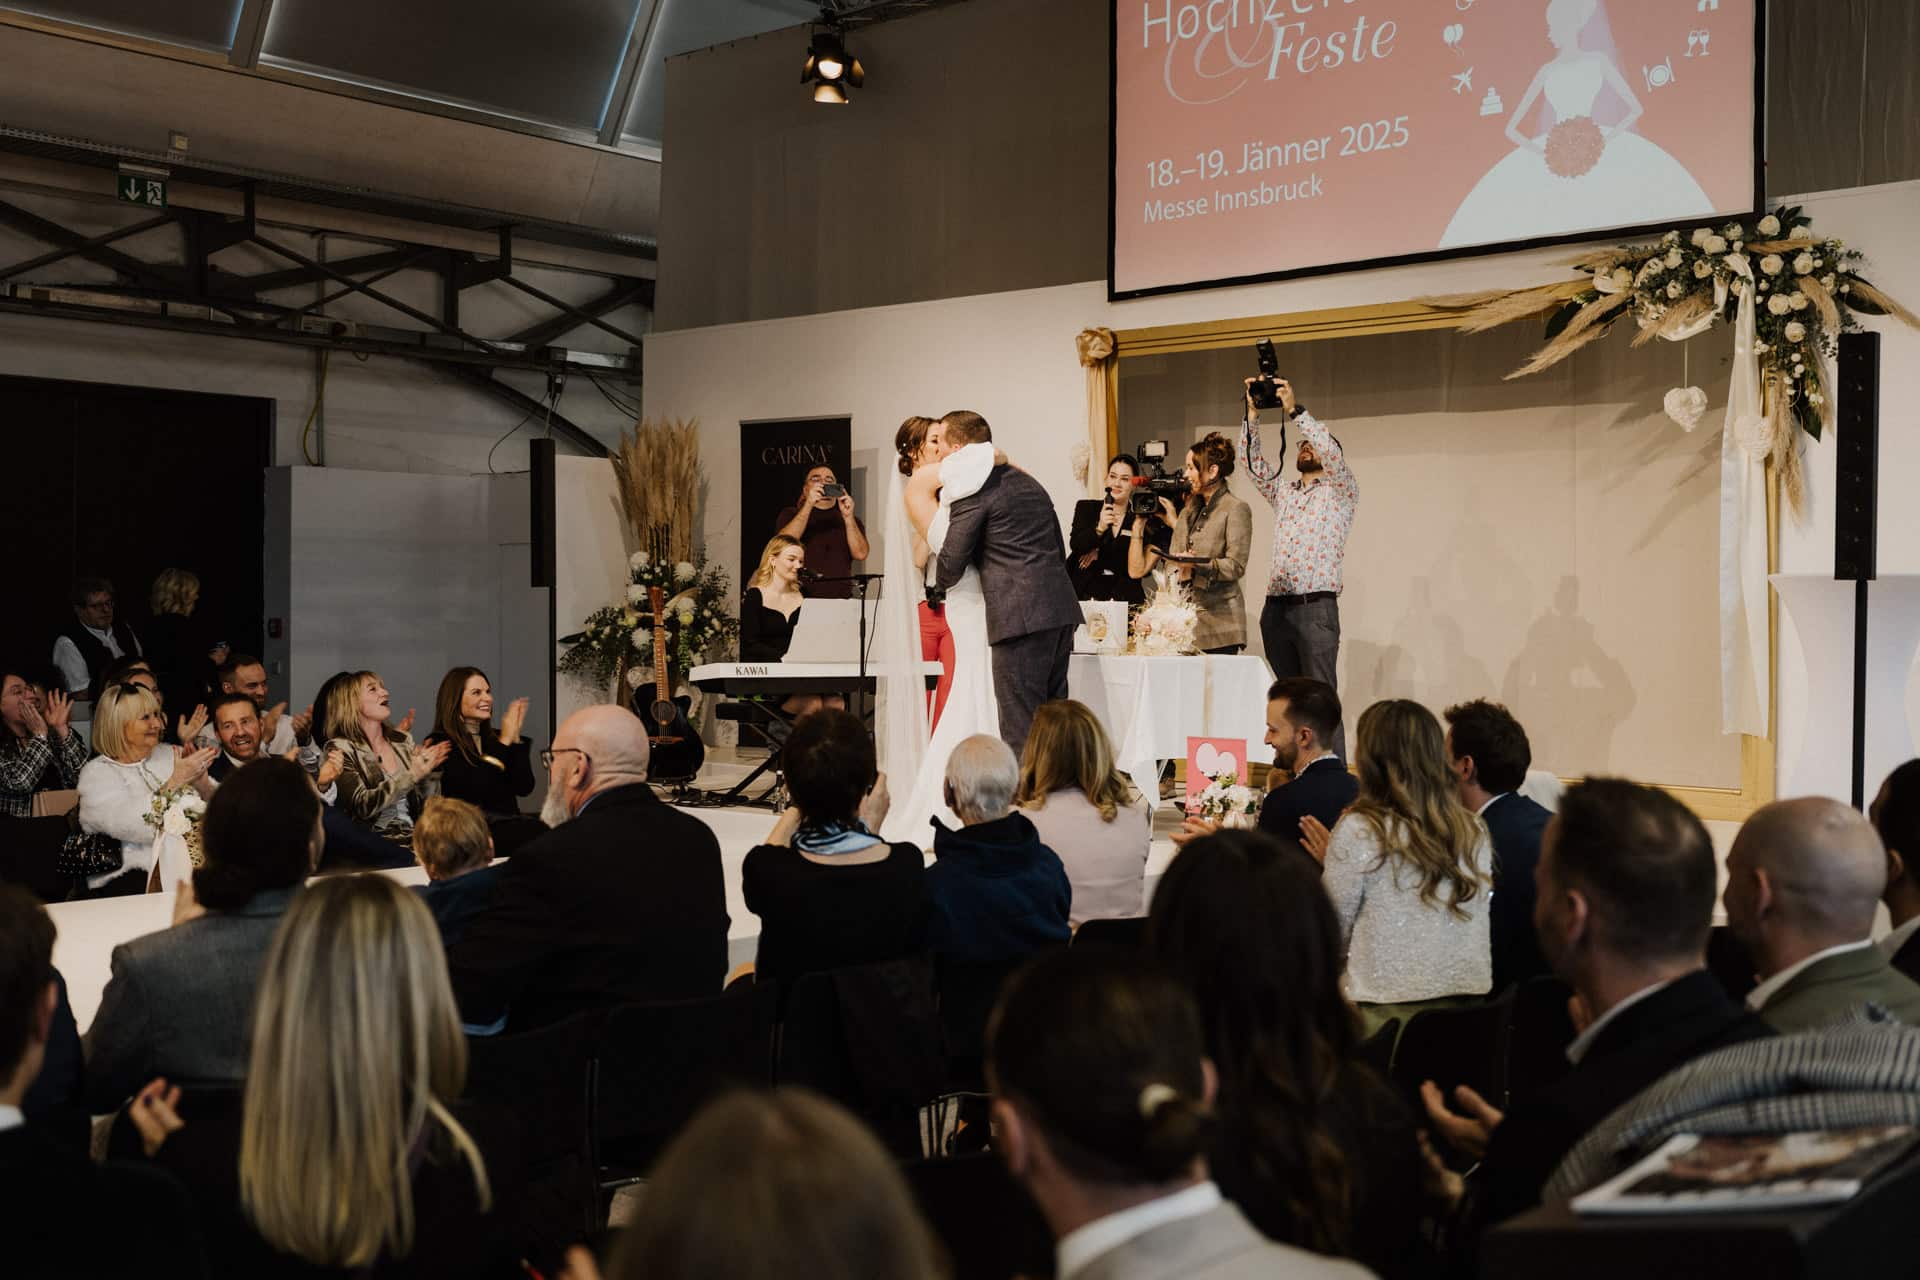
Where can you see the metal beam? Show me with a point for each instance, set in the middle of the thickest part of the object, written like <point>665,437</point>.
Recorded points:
<point>387,300</point>
<point>571,310</point>
<point>269,281</point>
<point>293,317</point>
<point>536,410</point>
<point>81,249</point>
<point>626,82</point>
<point>250,33</point>
<point>54,234</point>
<point>571,318</point>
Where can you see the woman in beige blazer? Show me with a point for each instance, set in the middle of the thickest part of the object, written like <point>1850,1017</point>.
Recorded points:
<point>1215,529</point>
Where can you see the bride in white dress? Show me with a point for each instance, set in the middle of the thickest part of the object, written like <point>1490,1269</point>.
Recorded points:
<point>1576,173</point>
<point>914,761</point>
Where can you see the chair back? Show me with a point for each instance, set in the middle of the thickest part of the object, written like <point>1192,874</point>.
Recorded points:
<point>868,1037</point>
<point>660,1062</point>
<point>1455,1046</point>
<point>1540,1033</point>
<point>544,1079</point>
<point>989,1225</point>
<point>28,849</point>
<point>55,804</point>
<point>1125,931</point>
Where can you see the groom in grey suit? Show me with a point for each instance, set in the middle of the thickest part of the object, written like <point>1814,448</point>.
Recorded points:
<point>1010,530</point>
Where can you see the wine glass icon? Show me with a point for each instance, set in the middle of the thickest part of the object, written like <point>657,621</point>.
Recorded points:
<point>1697,39</point>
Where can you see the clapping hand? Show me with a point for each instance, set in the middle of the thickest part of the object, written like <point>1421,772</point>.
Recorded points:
<point>30,712</point>
<point>185,905</point>
<point>783,828</point>
<point>1314,837</point>
<point>874,805</point>
<point>430,757</point>
<point>406,722</point>
<point>512,722</point>
<point>153,1114</point>
<point>1469,1133</point>
<point>271,722</point>
<point>190,766</point>
<point>189,727</point>
<point>330,768</point>
<point>303,724</point>
<point>59,711</point>
<point>1192,829</point>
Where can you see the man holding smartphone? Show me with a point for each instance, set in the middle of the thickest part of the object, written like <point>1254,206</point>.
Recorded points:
<point>831,535</point>
<point>1300,622</point>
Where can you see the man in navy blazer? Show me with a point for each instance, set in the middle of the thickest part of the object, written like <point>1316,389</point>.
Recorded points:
<point>1490,756</point>
<point>1302,717</point>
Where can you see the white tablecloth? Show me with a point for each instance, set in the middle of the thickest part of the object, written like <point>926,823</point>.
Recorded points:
<point>1151,706</point>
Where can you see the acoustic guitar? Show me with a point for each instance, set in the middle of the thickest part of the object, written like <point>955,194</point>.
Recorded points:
<point>678,752</point>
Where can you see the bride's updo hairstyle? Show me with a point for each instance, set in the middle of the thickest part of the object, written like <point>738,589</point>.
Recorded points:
<point>909,439</point>
<point>1102,1052</point>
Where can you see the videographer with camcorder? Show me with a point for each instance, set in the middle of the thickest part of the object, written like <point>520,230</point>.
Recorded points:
<point>824,525</point>
<point>1300,622</point>
<point>1212,534</point>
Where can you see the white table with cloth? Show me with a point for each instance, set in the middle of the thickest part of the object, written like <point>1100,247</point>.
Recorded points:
<point>1151,706</point>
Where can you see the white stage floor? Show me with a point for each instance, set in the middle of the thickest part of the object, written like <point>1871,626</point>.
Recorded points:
<point>89,931</point>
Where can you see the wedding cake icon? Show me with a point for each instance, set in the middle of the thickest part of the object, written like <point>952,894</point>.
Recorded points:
<point>1491,104</point>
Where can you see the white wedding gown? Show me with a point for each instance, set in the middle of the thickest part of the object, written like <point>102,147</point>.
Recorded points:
<point>1634,181</point>
<point>970,708</point>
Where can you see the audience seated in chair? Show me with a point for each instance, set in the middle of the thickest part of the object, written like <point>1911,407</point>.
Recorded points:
<point>67,1216</point>
<point>385,778</point>
<point>341,1157</point>
<point>1626,881</point>
<point>830,894</point>
<point>39,751</point>
<point>280,732</point>
<point>179,1002</point>
<point>1309,779</point>
<point>118,786</point>
<point>454,847</point>
<point>1103,1109</point>
<point>489,768</point>
<point>998,893</point>
<point>1489,753</point>
<point>1313,1146</point>
<point>1896,816</point>
<point>1408,870</point>
<point>85,648</point>
<point>1086,811</point>
<point>773,1184</point>
<point>624,900</point>
<point>1803,880</point>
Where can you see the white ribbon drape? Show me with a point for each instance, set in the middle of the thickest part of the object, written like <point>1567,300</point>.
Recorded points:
<point>1744,446</point>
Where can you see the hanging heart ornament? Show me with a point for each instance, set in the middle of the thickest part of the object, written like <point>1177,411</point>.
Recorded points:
<point>1686,406</point>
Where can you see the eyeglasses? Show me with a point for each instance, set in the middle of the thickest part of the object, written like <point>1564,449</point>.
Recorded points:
<point>546,757</point>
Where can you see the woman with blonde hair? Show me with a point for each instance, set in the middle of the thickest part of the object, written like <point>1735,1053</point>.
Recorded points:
<point>1409,871</point>
<point>342,1153</point>
<point>132,781</point>
<point>185,660</point>
<point>385,777</point>
<point>769,608</point>
<point>1086,811</point>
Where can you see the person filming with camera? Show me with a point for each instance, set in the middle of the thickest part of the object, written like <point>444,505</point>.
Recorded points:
<point>823,523</point>
<point>1300,622</point>
<point>1212,534</point>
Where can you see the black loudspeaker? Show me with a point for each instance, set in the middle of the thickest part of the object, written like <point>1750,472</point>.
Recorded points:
<point>545,542</point>
<point>1857,480</point>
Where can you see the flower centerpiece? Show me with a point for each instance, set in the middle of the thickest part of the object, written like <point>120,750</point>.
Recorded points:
<point>1229,802</point>
<point>177,811</point>
<point>617,640</point>
<point>1164,627</point>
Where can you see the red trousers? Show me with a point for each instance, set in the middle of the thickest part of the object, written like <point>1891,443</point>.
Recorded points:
<point>936,645</point>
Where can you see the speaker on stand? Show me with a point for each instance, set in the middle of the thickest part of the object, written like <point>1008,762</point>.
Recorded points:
<point>1855,510</point>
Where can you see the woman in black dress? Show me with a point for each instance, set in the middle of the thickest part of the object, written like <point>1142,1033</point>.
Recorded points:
<point>1097,546</point>
<point>489,769</point>
<point>768,610</point>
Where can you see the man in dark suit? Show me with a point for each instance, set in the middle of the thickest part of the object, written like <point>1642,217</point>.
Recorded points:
<point>1011,531</point>
<point>1804,878</point>
<point>1625,880</point>
<point>1302,716</point>
<point>1490,756</point>
<point>1896,816</point>
<point>66,1215</point>
<point>623,901</point>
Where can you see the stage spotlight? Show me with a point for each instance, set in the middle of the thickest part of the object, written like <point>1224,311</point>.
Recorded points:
<point>831,69</point>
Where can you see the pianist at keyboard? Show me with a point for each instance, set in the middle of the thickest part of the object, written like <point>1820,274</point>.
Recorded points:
<point>768,609</point>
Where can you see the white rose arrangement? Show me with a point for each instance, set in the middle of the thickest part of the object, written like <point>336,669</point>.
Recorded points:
<point>1227,801</point>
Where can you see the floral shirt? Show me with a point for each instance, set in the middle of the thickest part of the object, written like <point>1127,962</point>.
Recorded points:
<point>1311,521</point>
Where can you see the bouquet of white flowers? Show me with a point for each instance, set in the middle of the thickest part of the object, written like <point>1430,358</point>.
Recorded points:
<point>176,811</point>
<point>1165,626</point>
<point>1229,803</point>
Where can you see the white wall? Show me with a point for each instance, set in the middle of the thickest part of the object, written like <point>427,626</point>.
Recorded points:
<point>1010,356</point>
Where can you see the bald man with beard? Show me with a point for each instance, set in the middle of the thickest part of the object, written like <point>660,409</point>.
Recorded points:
<point>1803,879</point>
<point>622,901</point>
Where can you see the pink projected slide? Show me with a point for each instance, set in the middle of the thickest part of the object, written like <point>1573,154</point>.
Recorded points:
<point>1269,137</point>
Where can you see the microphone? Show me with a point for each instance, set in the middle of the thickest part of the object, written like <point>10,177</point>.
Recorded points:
<point>575,638</point>
<point>808,575</point>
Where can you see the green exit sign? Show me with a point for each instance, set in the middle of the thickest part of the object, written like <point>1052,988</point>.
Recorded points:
<point>151,192</point>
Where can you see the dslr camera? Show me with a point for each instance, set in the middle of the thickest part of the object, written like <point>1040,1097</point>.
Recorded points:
<point>1265,389</point>
<point>1149,489</point>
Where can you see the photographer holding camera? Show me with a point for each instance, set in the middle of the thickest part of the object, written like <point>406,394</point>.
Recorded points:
<point>1212,533</point>
<point>823,523</point>
<point>1300,622</point>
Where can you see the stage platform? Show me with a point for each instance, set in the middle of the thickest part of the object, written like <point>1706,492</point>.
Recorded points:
<point>89,931</point>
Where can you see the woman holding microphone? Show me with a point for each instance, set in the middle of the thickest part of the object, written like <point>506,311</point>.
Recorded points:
<point>1102,529</point>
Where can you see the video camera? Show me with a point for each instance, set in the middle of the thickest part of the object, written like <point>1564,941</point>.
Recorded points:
<point>1148,490</point>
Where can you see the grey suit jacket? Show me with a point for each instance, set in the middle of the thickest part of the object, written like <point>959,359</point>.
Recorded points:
<point>180,1001</point>
<point>1011,531</point>
<point>1219,1244</point>
<point>1822,993</point>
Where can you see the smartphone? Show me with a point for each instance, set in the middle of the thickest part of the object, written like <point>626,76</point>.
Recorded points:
<point>834,491</point>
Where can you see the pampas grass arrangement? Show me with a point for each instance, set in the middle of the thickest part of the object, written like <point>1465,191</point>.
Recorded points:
<point>658,466</point>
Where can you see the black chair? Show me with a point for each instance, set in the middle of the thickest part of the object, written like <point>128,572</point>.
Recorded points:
<point>989,1225</point>
<point>1377,1049</point>
<point>545,1080</point>
<point>28,847</point>
<point>868,1037</point>
<point>659,1063</point>
<point>1452,1047</point>
<point>967,994</point>
<point>1125,931</point>
<point>1541,1030</point>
